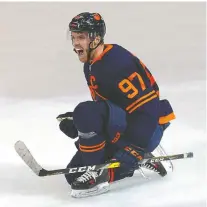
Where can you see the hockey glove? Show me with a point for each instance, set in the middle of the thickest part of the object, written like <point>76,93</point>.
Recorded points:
<point>66,125</point>
<point>68,115</point>
<point>130,156</point>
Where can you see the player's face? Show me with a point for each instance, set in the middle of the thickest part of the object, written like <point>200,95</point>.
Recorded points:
<point>80,43</point>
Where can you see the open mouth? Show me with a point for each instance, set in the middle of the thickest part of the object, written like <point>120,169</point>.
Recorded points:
<point>79,52</point>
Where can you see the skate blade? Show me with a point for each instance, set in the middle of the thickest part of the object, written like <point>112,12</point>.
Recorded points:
<point>97,190</point>
<point>159,151</point>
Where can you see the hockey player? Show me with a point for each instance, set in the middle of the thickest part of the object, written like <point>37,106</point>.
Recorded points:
<point>126,118</point>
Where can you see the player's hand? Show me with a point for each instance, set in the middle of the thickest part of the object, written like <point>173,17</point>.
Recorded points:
<point>68,128</point>
<point>68,115</point>
<point>130,155</point>
<point>66,124</point>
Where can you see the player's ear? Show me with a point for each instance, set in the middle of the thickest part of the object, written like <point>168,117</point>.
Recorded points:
<point>96,41</point>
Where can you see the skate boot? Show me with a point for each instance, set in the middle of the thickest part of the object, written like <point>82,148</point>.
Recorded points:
<point>155,166</point>
<point>90,183</point>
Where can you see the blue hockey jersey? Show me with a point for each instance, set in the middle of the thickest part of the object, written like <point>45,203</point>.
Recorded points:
<point>119,76</point>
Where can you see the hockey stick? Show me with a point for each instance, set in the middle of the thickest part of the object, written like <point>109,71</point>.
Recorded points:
<point>27,157</point>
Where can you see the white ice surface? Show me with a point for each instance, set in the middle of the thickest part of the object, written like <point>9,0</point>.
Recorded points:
<point>37,65</point>
<point>33,121</point>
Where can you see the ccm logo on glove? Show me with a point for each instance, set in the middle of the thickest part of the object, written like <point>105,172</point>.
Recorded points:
<point>133,152</point>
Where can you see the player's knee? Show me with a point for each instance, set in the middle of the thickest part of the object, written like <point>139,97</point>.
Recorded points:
<point>90,116</point>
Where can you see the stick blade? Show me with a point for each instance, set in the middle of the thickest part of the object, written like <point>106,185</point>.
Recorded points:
<point>27,157</point>
<point>189,154</point>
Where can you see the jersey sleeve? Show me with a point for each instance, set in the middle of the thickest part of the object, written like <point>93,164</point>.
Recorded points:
<point>153,83</point>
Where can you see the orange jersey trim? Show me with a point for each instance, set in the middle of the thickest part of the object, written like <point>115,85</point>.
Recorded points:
<point>166,119</point>
<point>116,138</point>
<point>143,102</point>
<point>94,93</point>
<point>151,78</point>
<point>100,95</point>
<point>93,148</point>
<point>139,102</point>
<point>108,47</point>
